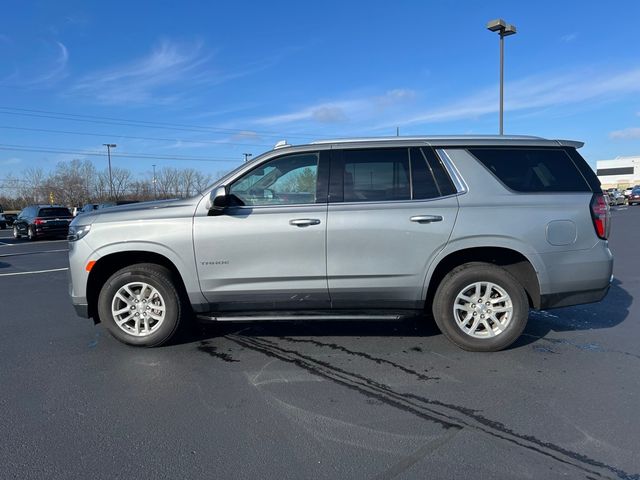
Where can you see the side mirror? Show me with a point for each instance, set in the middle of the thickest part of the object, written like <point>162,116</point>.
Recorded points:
<point>218,201</point>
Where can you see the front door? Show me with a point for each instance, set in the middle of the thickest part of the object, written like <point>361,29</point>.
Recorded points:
<point>269,251</point>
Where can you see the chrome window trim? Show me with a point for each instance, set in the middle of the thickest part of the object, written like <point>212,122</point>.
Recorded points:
<point>456,178</point>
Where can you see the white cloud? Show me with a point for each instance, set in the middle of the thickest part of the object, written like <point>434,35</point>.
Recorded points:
<point>569,37</point>
<point>625,134</point>
<point>162,76</point>
<point>343,111</point>
<point>148,78</point>
<point>534,92</point>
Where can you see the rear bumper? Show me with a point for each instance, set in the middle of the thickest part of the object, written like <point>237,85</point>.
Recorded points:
<point>52,232</point>
<point>566,299</point>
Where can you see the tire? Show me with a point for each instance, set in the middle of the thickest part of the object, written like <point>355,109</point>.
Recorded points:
<point>31,234</point>
<point>157,332</point>
<point>3,226</point>
<point>16,234</point>
<point>504,327</point>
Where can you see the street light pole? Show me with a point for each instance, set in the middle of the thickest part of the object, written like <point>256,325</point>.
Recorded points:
<point>109,147</point>
<point>504,29</point>
<point>155,195</point>
<point>246,156</point>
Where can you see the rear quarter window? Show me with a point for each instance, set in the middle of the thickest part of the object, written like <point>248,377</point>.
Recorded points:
<point>533,170</point>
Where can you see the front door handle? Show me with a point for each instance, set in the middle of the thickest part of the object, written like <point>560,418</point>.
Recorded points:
<point>426,218</point>
<point>304,222</point>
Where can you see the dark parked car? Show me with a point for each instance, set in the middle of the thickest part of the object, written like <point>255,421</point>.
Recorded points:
<point>37,221</point>
<point>635,196</point>
<point>9,218</point>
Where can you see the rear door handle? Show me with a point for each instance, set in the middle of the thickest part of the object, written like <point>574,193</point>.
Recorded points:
<point>426,218</point>
<point>304,222</point>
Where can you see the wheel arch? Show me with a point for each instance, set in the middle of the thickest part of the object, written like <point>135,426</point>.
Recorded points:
<point>516,263</point>
<point>109,264</point>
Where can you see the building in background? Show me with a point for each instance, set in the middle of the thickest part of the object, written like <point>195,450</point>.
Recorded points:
<point>621,172</point>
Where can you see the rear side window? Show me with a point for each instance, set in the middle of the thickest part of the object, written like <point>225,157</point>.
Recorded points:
<point>430,179</point>
<point>533,170</point>
<point>374,175</point>
<point>54,212</point>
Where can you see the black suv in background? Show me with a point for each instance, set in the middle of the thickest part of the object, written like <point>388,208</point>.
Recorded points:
<point>37,221</point>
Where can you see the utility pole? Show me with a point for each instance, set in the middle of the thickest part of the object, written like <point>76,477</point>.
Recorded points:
<point>504,29</point>
<point>155,195</point>
<point>397,131</point>
<point>246,156</point>
<point>109,147</point>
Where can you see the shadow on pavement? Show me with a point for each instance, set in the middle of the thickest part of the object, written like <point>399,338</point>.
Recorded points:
<point>612,311</point>
<point>608,313</point>
<point>414,327</point>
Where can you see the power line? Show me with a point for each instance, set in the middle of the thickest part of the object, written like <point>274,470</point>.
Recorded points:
<point>133,137</point>
<point>143,123</point>
<point>28,148</point>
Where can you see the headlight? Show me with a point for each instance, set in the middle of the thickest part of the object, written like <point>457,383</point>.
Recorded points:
<point>76,232</point>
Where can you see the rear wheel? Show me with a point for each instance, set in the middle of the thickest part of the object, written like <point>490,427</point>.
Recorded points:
<point>16,234</point>
<point>31,234</point>
<point>481,307</point>
<point>140,305</point>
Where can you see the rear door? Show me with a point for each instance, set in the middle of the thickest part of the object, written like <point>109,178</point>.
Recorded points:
<point>391,211</point>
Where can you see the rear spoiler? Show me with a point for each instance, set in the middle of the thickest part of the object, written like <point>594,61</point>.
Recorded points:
<point>570,143</point>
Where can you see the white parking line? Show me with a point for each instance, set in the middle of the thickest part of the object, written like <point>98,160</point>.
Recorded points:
<point>33,253</point>
<point>4,244</point>
<point>35,271</point>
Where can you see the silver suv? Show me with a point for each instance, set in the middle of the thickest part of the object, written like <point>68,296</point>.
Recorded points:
<point>475,230</point>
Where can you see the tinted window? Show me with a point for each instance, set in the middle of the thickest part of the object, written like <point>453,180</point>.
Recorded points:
<point>284,181</point>
<point>439,172</point>
<point>424,183</point>
<point>54,212</point>
<point>533,170</point>
<point>373,175</point>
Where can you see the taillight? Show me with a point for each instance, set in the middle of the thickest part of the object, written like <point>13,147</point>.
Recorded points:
<point>39,221</point>
<point>600,215</point>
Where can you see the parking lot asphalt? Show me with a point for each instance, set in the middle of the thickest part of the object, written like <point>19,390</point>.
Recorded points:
<point>316,400</point>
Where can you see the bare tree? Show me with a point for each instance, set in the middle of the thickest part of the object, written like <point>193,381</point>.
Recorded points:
<point>121,179</point>
<point>31,190</point>
<point>168,182</point>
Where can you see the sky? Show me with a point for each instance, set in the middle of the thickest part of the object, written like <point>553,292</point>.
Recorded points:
<point>198,84</point>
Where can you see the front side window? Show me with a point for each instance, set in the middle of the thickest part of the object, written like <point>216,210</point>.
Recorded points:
<point>374,175</point>
<point>288,180</point>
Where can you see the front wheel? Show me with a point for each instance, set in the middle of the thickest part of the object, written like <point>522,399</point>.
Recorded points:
<point>140,305</point>
<point>481,307</point>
